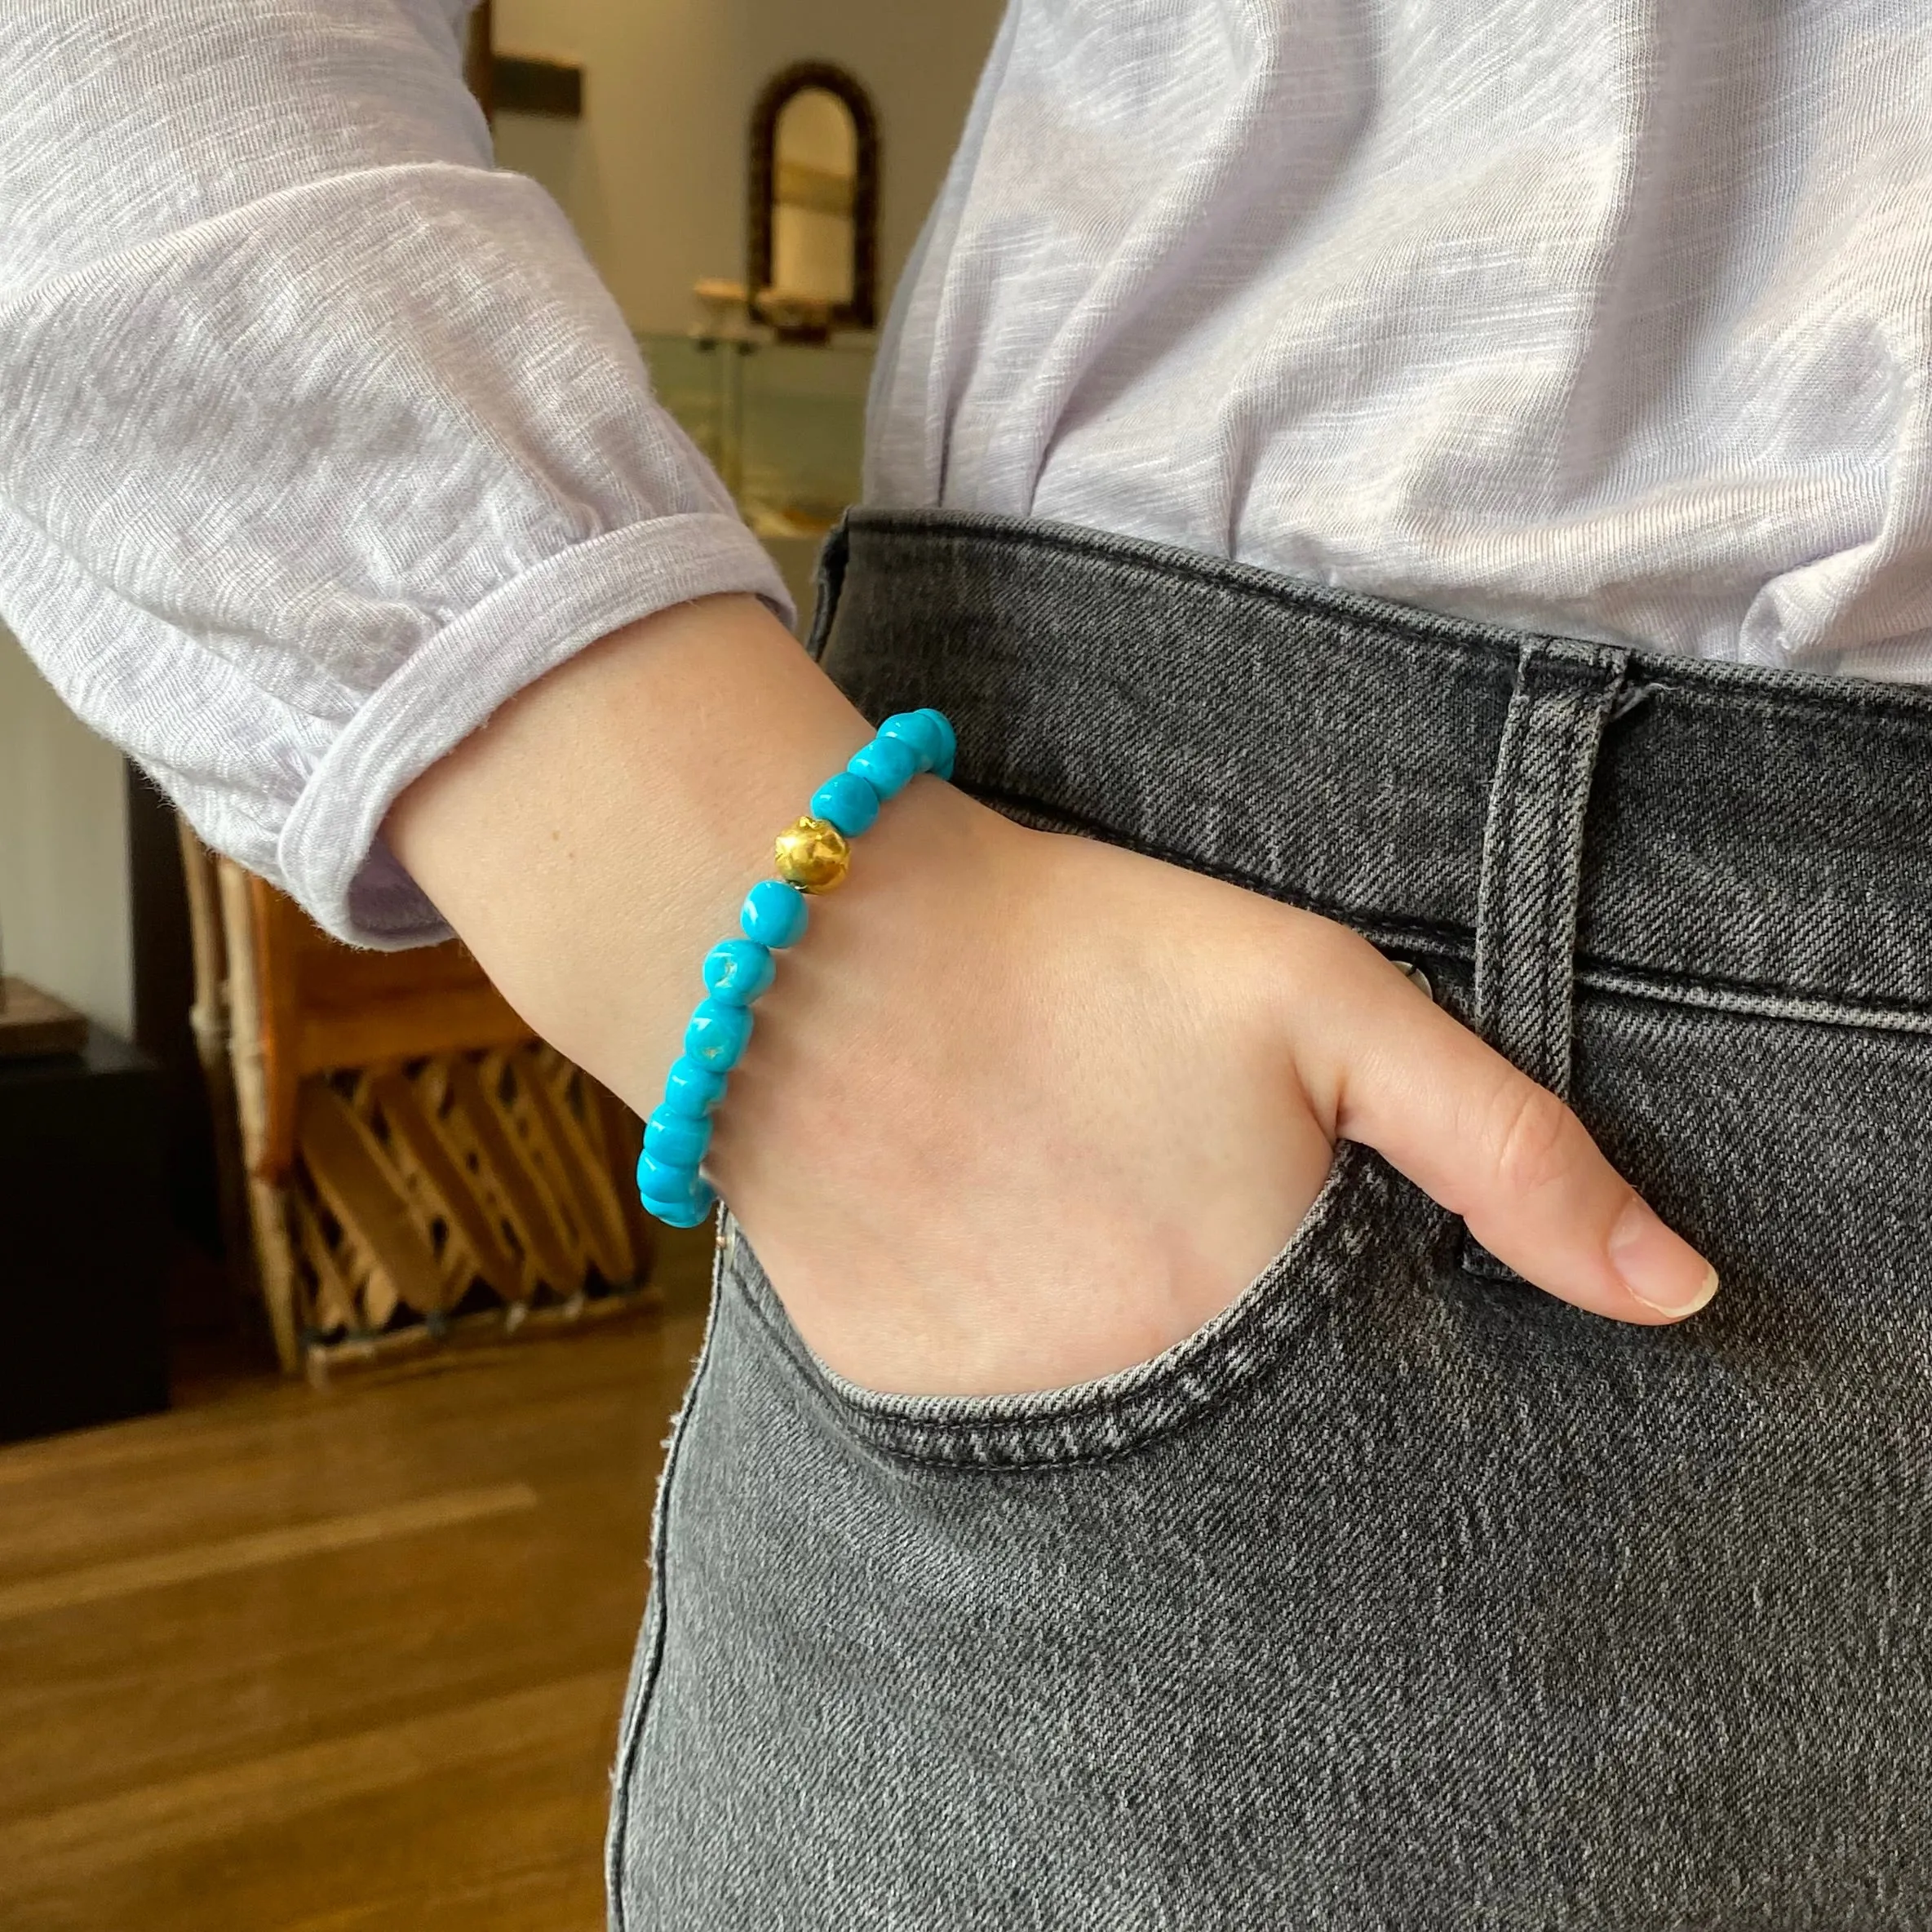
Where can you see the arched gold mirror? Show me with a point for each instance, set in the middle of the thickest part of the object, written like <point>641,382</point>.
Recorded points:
<point>814,204</point>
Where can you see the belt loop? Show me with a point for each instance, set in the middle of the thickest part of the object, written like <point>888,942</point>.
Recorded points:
<point>1532,857</point>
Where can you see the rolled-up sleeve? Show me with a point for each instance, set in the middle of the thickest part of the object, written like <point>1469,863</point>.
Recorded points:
<point>320,436</point>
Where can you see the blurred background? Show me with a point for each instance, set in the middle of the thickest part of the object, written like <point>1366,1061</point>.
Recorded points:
<point>335,1359</point>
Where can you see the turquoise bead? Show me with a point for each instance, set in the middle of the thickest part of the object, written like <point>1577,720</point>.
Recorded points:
<point>948,743</point>
<point>694,1213</point>
<point>666,1180</point>
<point>677,1139</point>
<point>717,1034</point>
<point>736,971</point>
<point>847,801</point>
<point>774,913</point>
<point>887,764</point>
<point>691,1088</point>
<point>679,1195</point>
<point>663,1181</point>
<point>918,733</point>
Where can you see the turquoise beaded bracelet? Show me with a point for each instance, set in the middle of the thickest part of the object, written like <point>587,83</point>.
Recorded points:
<point>813,857</point>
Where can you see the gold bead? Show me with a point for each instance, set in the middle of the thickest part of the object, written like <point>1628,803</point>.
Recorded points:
<point>814,856</point>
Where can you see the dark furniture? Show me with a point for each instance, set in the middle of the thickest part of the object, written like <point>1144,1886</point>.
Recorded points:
<point>84,1239</point>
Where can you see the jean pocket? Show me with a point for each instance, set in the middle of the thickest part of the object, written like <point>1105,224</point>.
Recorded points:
<point>1331,1250</point>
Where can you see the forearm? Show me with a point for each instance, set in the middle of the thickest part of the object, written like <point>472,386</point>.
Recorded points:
<point>593,840</point>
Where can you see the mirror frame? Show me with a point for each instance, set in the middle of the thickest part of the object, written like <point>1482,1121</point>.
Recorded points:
<point>861,312</point>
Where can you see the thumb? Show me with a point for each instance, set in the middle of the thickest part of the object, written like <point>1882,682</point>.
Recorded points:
<point>1385,1066</point>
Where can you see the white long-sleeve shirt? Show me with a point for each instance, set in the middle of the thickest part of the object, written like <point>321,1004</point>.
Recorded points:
<point>321,439</point>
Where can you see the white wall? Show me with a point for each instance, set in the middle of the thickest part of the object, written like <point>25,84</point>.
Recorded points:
<point>64,900</point>
<point>654,175</point>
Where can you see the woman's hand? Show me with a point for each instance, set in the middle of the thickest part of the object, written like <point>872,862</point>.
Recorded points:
<point>1021,1109</point>
<point>1025,1110</point>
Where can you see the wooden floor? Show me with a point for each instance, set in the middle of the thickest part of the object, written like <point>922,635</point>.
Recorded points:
<point>337,1662</point>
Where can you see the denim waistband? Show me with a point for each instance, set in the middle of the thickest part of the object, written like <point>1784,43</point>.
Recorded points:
<point>1753,839</point>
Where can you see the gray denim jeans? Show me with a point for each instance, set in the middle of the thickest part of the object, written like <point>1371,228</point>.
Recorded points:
<point>1400,1595</point>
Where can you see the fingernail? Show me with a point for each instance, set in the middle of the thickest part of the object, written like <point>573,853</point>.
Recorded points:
<point>1662,1270</point>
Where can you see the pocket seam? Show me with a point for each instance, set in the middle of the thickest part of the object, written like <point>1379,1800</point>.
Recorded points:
<point>647,1666</point>
<point>1113,1416</point>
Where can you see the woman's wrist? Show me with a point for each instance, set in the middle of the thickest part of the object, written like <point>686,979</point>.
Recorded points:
<point>813,857</point>
<point>591,842</point>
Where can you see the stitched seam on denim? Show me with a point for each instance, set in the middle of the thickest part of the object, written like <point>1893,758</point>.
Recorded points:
<point>1874,1002</point>
<point>1496,882</point>
<point>1236,1353</point>
<point>1232,1326</point>
<point>1287,1348</point>
<point>935,1465</point>
<point>631,1741</point>
<point>1539,944</point>
<point>1856,704</point>
<point>1456,943</point>
<point>1795,1007</point>
<point>1595,721</point>
<point>941,1455</point>
<point>1563,868</point>
<point>1557,860</point>
<point>1704,681</point>
<point>1239,1348</point>
<point>1451,940</point>
<point>1591,720</point>
<point>1079,1441</point>
<point>1542,943</point>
